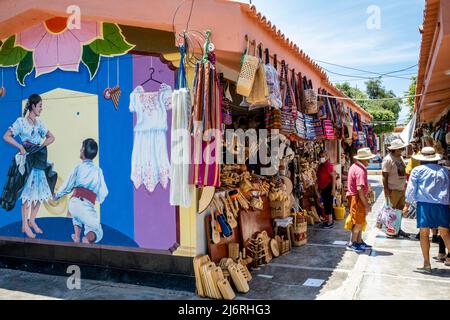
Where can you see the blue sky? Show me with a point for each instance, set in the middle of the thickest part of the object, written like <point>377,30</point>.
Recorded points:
<point>336,31</point>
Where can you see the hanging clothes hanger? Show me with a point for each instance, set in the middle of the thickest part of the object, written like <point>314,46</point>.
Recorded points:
<point>260,51</point>
<point>152,71</point>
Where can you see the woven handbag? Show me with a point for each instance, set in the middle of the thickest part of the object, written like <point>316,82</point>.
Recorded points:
<point>247,75</point>
<point>310,99</point>
<point>289,109</point>
<point>260,91</point>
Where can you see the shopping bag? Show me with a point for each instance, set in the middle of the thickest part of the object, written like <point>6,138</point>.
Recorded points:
<point>411,212</point>
<point>390,219</point>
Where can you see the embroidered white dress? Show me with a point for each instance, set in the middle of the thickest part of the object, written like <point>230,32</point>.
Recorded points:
<point>150,160</point>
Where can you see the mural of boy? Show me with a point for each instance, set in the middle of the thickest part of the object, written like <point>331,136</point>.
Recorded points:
<point>88,185</point>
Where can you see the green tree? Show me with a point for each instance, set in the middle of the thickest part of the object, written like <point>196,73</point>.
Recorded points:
<point>354,93</point>
<point>384,120</point>
<point>384,113</point>
<point>375,90</point>
<point>411,92</point>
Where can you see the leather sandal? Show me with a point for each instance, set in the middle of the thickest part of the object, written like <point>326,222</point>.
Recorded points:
<point>440,258</point>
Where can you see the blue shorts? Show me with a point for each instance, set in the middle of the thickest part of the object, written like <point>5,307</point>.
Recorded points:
<point>431,215</point>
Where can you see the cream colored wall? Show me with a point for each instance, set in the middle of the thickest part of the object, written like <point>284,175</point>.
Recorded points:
<point>72,117</point>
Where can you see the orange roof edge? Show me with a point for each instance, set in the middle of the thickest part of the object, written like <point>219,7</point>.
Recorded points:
<point>430,18</point>
<point>279,35</point>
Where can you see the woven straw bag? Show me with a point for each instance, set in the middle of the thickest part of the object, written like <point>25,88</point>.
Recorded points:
<point>247,75</point>
<point>260,91</point>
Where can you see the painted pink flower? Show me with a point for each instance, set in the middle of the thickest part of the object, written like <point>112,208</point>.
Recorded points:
<point>56,46</point>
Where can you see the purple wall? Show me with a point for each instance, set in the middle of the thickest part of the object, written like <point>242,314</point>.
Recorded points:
<point>154,217</point>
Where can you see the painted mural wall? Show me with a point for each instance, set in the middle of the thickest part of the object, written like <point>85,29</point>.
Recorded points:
<point>70,70</point>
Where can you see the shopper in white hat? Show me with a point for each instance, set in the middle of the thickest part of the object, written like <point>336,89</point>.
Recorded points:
<point>358,188</point>
<point>429,187</point>
<point>394,177</point>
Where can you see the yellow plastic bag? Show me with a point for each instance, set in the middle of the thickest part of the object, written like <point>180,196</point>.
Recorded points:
<point>349,225</point>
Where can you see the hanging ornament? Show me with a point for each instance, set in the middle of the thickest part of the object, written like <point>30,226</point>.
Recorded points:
<point>115,92</point>
<point>115,96</point>
<point>2,88</point>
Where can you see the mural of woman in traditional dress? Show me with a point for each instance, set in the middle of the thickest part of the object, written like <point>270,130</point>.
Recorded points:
<point>30,174</point>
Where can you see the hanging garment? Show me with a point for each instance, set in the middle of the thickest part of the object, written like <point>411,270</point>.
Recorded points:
<point>274,87</point>
<point>180,191</point>
<point>150,160</point>
<point>206,125</point>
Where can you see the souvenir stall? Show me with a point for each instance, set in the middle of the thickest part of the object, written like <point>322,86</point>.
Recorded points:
<point>257,209</point>
<point>437,134</point>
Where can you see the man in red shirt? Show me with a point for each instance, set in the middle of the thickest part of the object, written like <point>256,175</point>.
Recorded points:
<point>358,188</point>
<point>326,183</point>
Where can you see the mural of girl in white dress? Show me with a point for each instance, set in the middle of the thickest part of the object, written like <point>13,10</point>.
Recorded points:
<point>32,131</point>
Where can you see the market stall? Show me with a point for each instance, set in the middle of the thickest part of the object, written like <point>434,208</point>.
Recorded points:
<point>267,126</point>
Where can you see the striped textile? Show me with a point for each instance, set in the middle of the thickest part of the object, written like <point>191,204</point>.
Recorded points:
<point>206,126</point>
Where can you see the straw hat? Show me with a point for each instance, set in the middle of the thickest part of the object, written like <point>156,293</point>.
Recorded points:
<point>397,144</point>
<point>288,183</point>
<point>364,154</point>
<point>206,198</point>
<point>428,154</point>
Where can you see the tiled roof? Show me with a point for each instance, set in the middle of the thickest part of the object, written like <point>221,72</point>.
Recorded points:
<point>430,18</point>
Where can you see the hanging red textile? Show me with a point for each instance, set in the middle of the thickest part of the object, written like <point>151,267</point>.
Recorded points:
<point>206,124</point>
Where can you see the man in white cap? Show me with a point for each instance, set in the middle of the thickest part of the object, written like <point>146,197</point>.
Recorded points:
<point>394,177</point>
<point>358,188</point>
<point>429,187</point>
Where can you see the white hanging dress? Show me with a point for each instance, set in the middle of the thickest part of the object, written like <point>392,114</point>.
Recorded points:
<point>150,160</point>
<point>180,191</point>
